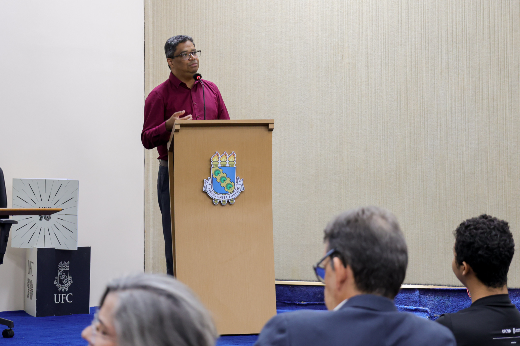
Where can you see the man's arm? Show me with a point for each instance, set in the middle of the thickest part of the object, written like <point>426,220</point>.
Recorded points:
<point>156,130</point>
<point>274,333</point>
<point>154,127</point>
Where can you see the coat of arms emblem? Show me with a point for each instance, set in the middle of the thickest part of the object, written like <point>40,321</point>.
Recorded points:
<point>223,185</point>
<point>63,280</point>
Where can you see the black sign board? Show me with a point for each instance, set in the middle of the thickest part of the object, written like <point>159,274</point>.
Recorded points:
<point>62,285</point>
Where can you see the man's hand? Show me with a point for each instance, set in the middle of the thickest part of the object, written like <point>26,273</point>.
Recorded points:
<point>177,115</point>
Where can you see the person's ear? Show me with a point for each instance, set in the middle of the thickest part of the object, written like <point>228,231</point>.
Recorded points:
<point>466,268</point>
<point>341,272</point>
<point>169,61</point>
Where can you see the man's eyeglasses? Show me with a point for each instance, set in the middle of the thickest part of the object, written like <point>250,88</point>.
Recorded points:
<point>187,55</point>
<point>319,268</point>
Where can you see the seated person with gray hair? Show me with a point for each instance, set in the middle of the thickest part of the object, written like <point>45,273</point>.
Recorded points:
<point>484,248</point>
<point>151,310</point>
<point>363,268</point>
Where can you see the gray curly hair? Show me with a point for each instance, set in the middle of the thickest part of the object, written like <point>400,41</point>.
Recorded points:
<point>158,310</point>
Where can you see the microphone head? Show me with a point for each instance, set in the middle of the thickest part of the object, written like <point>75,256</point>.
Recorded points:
<point>197,76</point>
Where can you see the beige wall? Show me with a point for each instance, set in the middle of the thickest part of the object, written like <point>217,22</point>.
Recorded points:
<point>410,105</point>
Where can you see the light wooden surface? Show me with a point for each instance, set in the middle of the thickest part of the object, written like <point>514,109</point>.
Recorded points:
<point>210,123</point>
<point>225,253</point>
<point>29,211</point>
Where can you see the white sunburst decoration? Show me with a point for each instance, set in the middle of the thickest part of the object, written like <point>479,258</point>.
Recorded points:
<point>60,230</point>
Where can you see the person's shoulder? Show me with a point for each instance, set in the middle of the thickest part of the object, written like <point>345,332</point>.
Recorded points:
<point>212,86</point>
<point>158,91</point>
<point>437,333</point>
<point>445,320</point>
<point>278,329</point>
<point>207,82</point>
<point>471,312</point>
<point>300,316</point>
<point>296,319</point>
<point>481,317</point>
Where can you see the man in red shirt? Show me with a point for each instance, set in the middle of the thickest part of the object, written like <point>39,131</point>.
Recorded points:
<point>179,97</point>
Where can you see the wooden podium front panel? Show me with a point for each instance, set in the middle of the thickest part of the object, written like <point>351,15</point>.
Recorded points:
<point>225,253</point>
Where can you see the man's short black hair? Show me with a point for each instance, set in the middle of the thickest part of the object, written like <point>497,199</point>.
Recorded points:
<point>487,245</point>
<point>171,44</point>
<point>370,241</point>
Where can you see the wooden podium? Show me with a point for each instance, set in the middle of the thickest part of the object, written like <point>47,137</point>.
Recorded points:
<point>225,252</point>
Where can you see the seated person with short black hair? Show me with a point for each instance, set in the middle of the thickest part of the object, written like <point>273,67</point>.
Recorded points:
<point>483,251</point>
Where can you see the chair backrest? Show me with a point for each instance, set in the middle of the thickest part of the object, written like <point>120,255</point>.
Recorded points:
<point>3,194</point>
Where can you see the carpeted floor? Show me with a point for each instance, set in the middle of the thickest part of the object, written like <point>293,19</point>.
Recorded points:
<point>54,330</point>
<point>66,330</point>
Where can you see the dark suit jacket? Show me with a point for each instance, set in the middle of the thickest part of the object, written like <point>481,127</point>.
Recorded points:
<point>489,321</point>
<point>364,320</point>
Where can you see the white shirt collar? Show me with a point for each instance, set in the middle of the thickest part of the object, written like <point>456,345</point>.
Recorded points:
<point>340,305</point>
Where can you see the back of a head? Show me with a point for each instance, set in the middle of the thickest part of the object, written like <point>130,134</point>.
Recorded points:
<point>370,240</point>
<point>487,245</point>
<point>157,310</point>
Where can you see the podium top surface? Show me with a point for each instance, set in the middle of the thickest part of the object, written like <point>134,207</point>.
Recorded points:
<point>29,211</point>
<point>202,123</point>
<point>269,123</point>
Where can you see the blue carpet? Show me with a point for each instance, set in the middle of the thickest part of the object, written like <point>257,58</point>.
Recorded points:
<point>53,330</point>
<point>425,302</point>
<point>237,340</point>
<point>66,330</point>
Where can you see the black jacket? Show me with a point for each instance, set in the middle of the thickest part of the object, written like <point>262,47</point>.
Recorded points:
<point>489,321</point>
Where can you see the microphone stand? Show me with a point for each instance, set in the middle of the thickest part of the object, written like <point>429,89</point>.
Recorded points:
<point>198,76</point>
<point>204,98</point>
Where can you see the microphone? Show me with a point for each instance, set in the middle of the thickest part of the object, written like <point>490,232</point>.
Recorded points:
<point>198,76</point>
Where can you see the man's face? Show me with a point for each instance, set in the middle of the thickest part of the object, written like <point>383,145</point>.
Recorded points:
<point>181,67</point>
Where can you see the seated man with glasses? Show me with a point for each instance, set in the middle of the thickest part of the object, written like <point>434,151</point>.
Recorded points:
<point>483,251</point>
<point>363,269</point>
<point>181,97</point>
<point>151,310</point>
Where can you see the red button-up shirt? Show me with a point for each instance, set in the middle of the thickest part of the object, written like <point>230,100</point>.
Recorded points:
<point>173,96</point>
